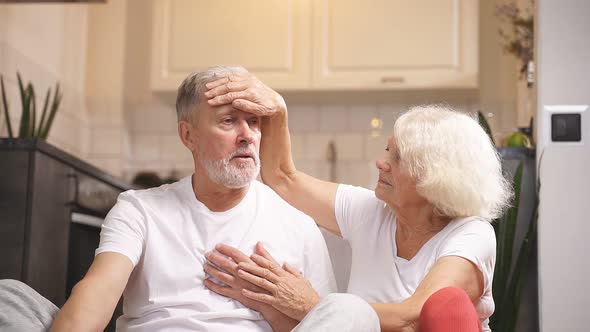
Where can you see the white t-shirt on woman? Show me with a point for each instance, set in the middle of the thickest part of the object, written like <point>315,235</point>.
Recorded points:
<point>166,231</point>
<point>378,275</point>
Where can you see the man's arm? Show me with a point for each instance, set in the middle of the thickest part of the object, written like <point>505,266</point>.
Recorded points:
<point>314,197</point>
<point>448,271</point>
<point>94,298</point>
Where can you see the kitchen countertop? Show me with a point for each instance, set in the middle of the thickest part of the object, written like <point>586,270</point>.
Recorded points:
<point>18,144</point>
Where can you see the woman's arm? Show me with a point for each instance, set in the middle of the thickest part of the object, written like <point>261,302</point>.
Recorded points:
<point>314,197</point>
<point>448,271</point>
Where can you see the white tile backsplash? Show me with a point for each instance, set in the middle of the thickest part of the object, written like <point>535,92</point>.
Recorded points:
<point>334,118</point>
<point>303,118</point>
<point>349,147</point>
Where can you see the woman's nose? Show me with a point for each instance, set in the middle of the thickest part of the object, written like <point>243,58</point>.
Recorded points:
<point>382,165</point>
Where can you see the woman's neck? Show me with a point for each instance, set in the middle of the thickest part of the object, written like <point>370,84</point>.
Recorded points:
<point>415,226</point>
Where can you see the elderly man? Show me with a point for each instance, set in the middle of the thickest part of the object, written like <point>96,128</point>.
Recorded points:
<point>157,245</point>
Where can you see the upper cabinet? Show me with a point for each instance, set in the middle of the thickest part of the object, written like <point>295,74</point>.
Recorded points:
<point>271,38</point>
<point>320,44</point>
<point>388,44</point>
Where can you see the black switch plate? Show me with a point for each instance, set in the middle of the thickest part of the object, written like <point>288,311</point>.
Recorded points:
<point>566,127</point>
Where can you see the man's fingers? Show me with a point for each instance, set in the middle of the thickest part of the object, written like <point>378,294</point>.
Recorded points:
<point>260,282</point>
<point>222,261</point>
<point>224,277</point>
<point>264,298</point>
<point>259,271</point>
<point>233,253</point>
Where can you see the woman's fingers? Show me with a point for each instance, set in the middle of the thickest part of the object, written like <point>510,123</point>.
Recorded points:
<point>229,97</point>
<point>259,272</point>
<point>264,298</point>
<point>227,87</point>
<point>224,277</point>
<point>232,253</point>
<point>261,250</point>
<point>226,77</point>
<point>223,262</point>
<point>267,264</point>
<point>255,280</point>
<point>249,107</point>
<point>289,269</point>
<point>221,290</point>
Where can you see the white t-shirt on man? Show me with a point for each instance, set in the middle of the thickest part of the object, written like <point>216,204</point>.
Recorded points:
<point>166,232</point>
<point>378,275</point>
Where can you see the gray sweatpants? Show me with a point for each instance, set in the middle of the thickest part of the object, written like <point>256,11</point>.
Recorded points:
<point>23,309</point>
<point>342,313</point>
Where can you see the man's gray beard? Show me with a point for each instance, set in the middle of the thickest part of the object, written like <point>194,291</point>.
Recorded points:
<point>229,175</point>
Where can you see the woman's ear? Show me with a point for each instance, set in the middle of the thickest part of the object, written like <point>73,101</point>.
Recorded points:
<point>187,132</point>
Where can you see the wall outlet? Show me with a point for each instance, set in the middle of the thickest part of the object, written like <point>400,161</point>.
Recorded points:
<point>563,125</point>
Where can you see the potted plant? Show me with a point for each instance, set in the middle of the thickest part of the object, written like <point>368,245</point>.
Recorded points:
<point>29,127</point>
<point>514,252</point>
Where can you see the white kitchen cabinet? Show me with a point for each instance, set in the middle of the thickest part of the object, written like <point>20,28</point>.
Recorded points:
<point>320,44</point>
<point>271,38</point>
<point>395,44</point>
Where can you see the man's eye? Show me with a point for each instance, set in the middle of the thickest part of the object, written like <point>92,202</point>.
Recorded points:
<point>254,121</point>
<point>228,120</point>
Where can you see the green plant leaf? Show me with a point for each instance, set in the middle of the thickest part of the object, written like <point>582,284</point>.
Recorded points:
<point>54,107</point>
<point>485,125</point>
<point>33,110</point>
<point>6,111</point>
<point>520,271</point>
<point>24,96</point>
<point>44,113</point>
<point>505,229</point>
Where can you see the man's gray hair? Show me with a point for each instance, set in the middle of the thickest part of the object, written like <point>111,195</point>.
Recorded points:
<point>192,88</point>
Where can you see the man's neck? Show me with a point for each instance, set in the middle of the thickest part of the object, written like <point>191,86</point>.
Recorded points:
<point>215,197</point>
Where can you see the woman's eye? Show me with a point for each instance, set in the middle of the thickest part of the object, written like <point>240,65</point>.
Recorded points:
<point>387,149</point>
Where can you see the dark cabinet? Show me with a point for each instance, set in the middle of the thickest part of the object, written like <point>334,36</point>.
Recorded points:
<point>39,244</point>
<point>35,210</point>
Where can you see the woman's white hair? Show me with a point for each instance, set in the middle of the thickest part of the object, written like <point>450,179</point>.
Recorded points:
<point>454,163</point>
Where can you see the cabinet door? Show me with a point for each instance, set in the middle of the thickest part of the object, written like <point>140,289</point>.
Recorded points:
<point>49,228</point>
<point>388,44</point>
<point>270,38</point>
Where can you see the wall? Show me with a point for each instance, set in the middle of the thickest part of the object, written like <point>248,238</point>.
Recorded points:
<point>47,43</point>
<point>107,132</point>
<point>563,50</point>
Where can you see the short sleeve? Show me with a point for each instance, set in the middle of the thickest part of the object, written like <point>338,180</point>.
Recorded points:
<point>353,207</point>
<point>123,230</point>
<point>317,267</point>
<point>476,242</point>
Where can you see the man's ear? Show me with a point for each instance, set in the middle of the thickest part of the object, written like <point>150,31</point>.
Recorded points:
<point>186,131</point>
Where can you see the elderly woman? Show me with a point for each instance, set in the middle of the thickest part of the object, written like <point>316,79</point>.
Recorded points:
<point>424,234</point>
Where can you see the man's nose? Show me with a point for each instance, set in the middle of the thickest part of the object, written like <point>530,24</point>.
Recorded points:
<point>246,135</point>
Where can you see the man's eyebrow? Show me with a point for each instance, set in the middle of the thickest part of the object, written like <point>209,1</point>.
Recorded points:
<point>226,111</point>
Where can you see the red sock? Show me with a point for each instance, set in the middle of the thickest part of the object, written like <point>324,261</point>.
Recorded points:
<point>449,310</point>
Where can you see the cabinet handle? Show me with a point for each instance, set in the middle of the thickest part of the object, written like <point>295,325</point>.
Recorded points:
<point>392,79</point>
<point>76,181</point>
